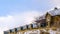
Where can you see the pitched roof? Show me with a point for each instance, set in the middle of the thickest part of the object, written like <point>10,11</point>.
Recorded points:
<point>54,12</point>
<point>41,19</point>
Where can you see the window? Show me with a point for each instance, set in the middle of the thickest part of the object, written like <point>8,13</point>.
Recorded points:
<point>43,24</point>
<point>34,25</point>
<point>27,27</point>
<point>21,28</point>
<point>10,31</point>
<point>31,25</point>
<point>15,29</point>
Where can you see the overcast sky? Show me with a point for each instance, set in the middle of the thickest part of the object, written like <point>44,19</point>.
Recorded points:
<point>15,13</point>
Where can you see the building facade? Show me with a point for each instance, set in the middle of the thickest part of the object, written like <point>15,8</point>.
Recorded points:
<point>48,23</point>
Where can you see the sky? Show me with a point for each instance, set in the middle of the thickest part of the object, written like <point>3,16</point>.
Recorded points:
<point>15,13</point>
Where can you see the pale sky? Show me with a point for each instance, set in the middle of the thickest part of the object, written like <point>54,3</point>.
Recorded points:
<point>15,13</point>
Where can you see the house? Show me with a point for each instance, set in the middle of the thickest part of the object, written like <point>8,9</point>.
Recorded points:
<point>50,20</point>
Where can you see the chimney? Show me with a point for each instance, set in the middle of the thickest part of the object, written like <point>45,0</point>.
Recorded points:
<point>55,8</point>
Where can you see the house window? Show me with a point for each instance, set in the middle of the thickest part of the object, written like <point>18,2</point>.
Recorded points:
<point>43,24</point>
<point>27,27</point>
<point>21,28</point>
<point>31,25</point>
<point>15,29</point>
<point>10,31</point>
<point>34,25</point>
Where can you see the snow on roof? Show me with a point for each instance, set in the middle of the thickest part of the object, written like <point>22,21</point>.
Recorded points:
<point>54,12</point>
